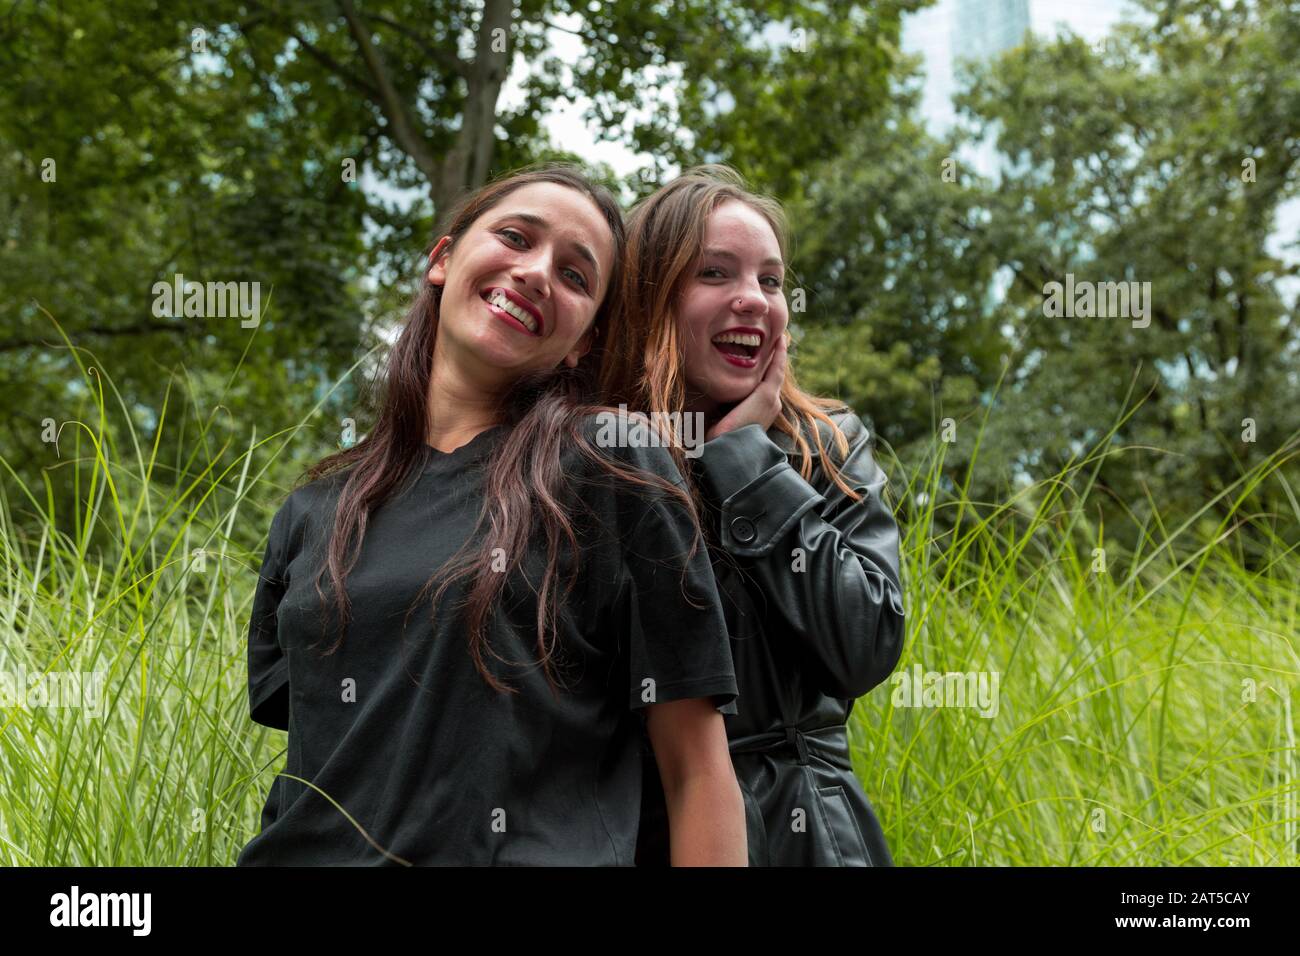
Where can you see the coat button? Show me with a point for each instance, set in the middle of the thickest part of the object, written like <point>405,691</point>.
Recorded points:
<point>743,530</point>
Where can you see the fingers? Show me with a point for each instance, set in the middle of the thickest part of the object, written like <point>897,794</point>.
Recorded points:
<point>763,404</point>
<point>767,396</point>
<point>776,365</point>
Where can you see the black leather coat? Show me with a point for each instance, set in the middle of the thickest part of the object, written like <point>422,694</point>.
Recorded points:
<point>809,580</point>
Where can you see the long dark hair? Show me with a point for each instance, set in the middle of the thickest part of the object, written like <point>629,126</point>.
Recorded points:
<point>523,485</point>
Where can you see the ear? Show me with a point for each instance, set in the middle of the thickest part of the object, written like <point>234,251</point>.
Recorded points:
<point>582,347</point>
<point>438,262</point>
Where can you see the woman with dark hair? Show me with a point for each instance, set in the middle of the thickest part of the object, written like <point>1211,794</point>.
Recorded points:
<point>806,547</point>
<point>573,613</point>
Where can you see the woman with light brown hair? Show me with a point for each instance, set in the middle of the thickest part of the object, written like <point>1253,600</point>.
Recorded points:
<point>805,547</point>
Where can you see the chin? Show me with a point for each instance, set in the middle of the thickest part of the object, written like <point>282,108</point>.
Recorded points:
<point>489,349</point>
<point>737,387</point>
<point>730,396</point>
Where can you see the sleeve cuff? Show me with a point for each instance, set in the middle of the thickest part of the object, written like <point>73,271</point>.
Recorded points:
<point>268,701</point>
<point>733,460</point>
<point>721,688</point>
<point>761,494</point>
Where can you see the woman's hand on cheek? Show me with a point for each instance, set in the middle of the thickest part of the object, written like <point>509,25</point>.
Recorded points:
<point>763,404</point>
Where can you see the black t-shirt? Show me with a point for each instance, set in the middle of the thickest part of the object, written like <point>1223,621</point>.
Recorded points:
<point>399,729</point>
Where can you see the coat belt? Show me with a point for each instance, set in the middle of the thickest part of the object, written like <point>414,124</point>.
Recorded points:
<point>824,741</point>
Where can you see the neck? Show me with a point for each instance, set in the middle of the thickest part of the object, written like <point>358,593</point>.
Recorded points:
<point>459,407</point>
<point>712,410</point>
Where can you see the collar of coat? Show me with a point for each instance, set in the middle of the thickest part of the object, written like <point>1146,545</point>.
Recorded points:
<point>841,416</point>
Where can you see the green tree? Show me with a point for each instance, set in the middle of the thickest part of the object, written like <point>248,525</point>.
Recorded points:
<point>132,157</point>
<point>214,138</point>
<point>895,278</point>
<point>1161,157</point>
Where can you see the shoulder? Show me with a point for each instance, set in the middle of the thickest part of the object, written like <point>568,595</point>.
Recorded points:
<point>630,439</point>
<point>846,420</point>
<point>313,495</point>
<point>313,501</point>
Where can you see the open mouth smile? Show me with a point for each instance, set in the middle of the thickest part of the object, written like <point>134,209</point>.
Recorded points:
<point>739,346</point>
<point>514,310</point>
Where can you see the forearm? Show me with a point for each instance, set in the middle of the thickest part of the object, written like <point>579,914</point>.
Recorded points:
<point>706,821</point>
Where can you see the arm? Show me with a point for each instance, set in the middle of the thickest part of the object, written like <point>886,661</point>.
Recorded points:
<point>268,670</point>
<point>827,565</point>
<point>706,814</point>
<point>679,664</point>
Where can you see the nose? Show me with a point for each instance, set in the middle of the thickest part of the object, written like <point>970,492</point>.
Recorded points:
<point>533,270</point>
<point>749,298</point>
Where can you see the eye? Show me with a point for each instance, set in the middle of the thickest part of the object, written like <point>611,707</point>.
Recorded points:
<point>704,273</point>
<point>578,277</point>
<point>776,281</point>
<point>516,235</point>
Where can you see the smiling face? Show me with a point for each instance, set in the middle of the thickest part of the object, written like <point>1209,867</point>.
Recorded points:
<point>732,308</point>
<point>522,286</point>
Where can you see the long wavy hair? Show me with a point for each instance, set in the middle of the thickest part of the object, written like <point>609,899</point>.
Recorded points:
<point>524,489</point>
<point>644,367</point>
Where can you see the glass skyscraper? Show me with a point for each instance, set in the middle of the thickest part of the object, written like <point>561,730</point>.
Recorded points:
<point>984,28</point>
<point>953,30</point>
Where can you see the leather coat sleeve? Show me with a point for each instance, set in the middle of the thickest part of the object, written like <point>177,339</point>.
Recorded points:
<point>840,593</point>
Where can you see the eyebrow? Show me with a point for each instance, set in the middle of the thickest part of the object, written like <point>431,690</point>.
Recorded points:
<point>724,254</point>
<point>581,248</point>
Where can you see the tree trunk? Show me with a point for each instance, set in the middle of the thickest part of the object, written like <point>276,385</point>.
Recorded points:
<point>466,165</point>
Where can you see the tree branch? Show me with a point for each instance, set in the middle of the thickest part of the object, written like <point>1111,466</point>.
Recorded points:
<point>466,164</point>
<point>444,57</point>
<point>389,100</point>
<point>317,54</point>
<point>140,328</point>
<point>337,68</point>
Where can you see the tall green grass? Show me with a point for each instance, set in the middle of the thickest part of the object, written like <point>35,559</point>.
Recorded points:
<point>1144,713</point>
<point>1144,694</point>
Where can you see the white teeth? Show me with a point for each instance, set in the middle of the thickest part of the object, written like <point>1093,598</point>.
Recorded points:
<point>740,338</point>
<point>499,299</point>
